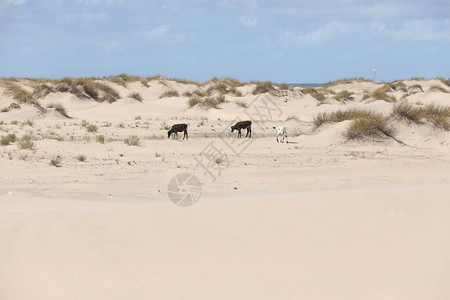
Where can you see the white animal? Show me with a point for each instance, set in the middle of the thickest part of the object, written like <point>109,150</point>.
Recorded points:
<point>281,132</point>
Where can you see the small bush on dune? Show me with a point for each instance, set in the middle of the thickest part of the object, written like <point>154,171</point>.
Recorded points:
<point>345,81</point>
<point>171,93</point>
<point>59,108</point>
<point>445,81</point>
<point>264,87</point>
<point>6,140</point>
<point>56,162</point>
<point>91,128</point>
<point>133,141</point>
<point>194,101</point>
<point>344,95</point>
<point>436,88</point>
<point>318,95</point>
<point>375,127</point>
<point>241,103</point>
<point>380,94</point>
<point>342,115</point>
<point>439,116</point>
<point>17,92</point>
<point>136,96</point>
<point>26,142</point>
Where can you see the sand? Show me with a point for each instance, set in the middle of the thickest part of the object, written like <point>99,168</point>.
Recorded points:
<point>317,218</point>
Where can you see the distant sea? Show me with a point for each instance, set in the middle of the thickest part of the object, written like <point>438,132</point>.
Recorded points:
<point>306,84</point>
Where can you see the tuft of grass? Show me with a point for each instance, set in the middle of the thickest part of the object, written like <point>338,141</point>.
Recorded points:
<point>18,93</point>
<point>135,96</point>
<point>438,116</point>
<point>380,94</point>
<point>59,108</point>
<point>375,127</point>
<point>81,157</point>
<point>444,81</point>
<point>8,139</point>
<point>25,142</point>
<point>212,102</point>
<point>345,81</point>
<point>100,139</point>
<point>194,100</point>
<point>133,141</point>
<point>14,122</point>
<point>292,118</point>
<point>171,93</point>
<point>56,161</point>
<point>91,128</point>
<point>264,87</point>
<point>342,115</point>
<point>318,95</point>
<point>437,88</point>
<point>241,103</point>
<point>344,95</point>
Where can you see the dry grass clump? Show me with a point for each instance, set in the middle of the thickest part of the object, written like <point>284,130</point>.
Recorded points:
<point>59,108</point>
<point>25,142</point>
<point>292,118</point>
<point>135,96</point>
<point>91,128</point>
<point>437,88</point>
<point>241,103</point>
<point>381,94</point>
<point>345,81</point>
<point>133,141</point>
<point>376,126</point>
<point>171,93</point>
<point>122,79</point>
<point>8,139</point>
<point>398,86</point>
<point>264,87</point>
<point>444,81</point>
<point>342,115</point>
<point>212,102</point>
<point>194,100</point>
<point>21,95</point>
<point>342,96</point>
<point>438,116</point>
<point>415,88</point>
<point>318,95</point>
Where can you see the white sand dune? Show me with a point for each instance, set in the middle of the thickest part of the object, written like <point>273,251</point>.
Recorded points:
<point>320,217</point>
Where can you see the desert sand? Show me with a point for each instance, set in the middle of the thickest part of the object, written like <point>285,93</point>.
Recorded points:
<point>84,215</point>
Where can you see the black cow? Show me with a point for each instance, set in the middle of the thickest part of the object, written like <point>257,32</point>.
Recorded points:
<point>178,128</point>
<point>243,125</point>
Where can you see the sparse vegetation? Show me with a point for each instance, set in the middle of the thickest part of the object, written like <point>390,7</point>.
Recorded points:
<point>135,96</point>
<point>133,141</point>
<point>342,115</point>
<point>91,128</point>
<point>241,103</point>
<point>345,81</point>
<point>318,95</point>
<point>194,100</point>
<point>25,142</point>
<point>171,93</point>
<point>264,87</point>
<point>375,127</point>
<point>81,158</point>
<point>342,96</point>
<point>59,108</point>
<point>380,94</point>
<point>292,118</point>
<point>100,139</point>
<point>8,139</point>
<point>438,116</point>
<point>56,161</point>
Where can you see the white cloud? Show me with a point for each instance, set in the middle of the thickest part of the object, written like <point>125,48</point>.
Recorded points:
<point>418,30</point>
<point>320,35</point>
<point>15,2</point>
<point>157,32</point>
<point>249,21</point>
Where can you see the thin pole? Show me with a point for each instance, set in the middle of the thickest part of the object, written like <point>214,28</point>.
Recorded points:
<point>374,74</point>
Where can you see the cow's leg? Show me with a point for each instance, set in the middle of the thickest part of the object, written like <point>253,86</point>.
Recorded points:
<point>186,134</point>
<point>239,133</point>
<point>249,132</point>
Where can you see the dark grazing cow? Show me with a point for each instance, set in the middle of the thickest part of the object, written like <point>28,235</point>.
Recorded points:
<point>178,128</point>
<point>243,125</point>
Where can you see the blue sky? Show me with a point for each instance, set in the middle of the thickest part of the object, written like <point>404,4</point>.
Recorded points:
<point>283,41</point>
